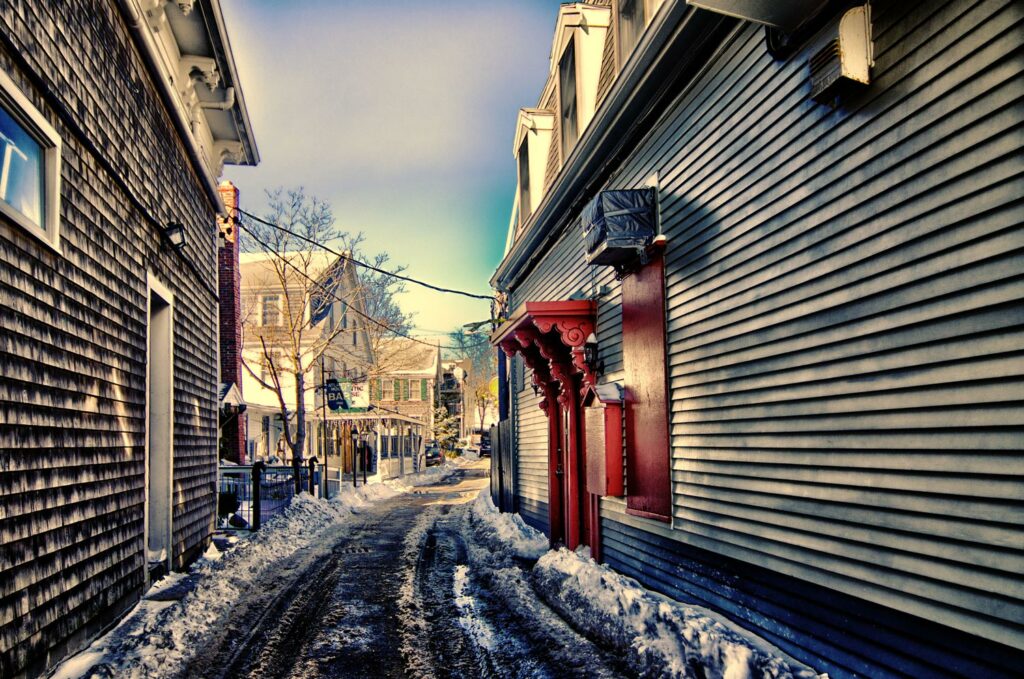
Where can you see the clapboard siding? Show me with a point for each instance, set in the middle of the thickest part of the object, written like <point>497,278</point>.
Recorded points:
<point>73,340</point>
<point>864,640</point>
<point>859,294</point>
<point>845,315</point>
<point>531,439</point>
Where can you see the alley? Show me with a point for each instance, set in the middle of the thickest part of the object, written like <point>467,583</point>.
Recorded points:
<point>404,589</point>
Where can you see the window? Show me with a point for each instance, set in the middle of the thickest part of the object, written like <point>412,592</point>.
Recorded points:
<point>29,165</point>
<point>415,390</point>
<point>568,109</point>
<point>270,310</point>
<point>389,390</point>
<point>632,18</point>
<point>524,180</point>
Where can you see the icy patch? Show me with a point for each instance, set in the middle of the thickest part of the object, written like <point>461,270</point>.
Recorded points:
<point>662,637</point>
<point>470,619</point>
<point>509,529</point>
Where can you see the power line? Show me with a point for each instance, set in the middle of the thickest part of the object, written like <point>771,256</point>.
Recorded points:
<point>334,296</point>
<point>360,263</point>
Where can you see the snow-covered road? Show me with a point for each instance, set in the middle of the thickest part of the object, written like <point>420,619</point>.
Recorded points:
<point>421,580</point>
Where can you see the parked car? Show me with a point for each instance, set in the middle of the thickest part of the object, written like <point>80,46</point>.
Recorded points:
<point>434,456</point>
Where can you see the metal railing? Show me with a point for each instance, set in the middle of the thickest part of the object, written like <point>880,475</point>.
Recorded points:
<point>250,495</point>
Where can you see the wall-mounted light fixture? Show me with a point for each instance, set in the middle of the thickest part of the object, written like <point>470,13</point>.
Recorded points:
<point>174,233</point>
<point>590,353</point>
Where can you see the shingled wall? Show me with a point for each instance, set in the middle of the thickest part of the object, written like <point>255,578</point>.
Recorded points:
<point>73,338</point>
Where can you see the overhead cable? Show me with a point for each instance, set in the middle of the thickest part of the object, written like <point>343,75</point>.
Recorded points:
<point>330,294</point>
<point>357,262</point>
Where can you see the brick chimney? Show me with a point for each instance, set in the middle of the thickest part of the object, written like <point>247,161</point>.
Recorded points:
<point>230,285</point>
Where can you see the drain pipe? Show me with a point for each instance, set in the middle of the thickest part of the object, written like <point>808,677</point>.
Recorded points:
<point>139,29</point>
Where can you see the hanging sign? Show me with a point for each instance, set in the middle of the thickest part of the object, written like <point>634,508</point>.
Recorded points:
<point>335,396</point>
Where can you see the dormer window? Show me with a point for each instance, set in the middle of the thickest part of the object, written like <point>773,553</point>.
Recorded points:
<point>525,209</point>
<point>632,17</point>
<point>531,147</point>
<point>567,98</point>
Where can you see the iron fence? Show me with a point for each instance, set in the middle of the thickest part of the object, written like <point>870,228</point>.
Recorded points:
<point>249,495</point>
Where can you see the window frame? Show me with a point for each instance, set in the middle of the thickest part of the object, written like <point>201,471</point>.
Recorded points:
<point>35,125</point>
<point>643,10</point>
<point>567,145</point>
<point>523,158</point>
<point>263,311</point>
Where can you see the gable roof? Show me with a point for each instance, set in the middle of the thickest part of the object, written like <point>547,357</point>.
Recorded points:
<point>401,356</point>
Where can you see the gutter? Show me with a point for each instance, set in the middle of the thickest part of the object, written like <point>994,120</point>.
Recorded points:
<point>674,47</point>
<point>139,30</point>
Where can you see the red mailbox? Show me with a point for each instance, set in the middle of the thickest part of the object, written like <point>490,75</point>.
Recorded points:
<point>603,430</point>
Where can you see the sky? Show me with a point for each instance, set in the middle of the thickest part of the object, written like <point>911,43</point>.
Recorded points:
<point>401,115</point>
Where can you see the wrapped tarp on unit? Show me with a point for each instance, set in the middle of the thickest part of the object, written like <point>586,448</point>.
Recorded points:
<point>618,224</point>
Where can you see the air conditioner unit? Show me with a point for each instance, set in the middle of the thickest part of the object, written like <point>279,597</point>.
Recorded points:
<point>618,225</point>
<point>846,60</point>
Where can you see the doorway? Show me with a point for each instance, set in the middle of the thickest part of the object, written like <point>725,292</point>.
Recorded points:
<point>159,429</point>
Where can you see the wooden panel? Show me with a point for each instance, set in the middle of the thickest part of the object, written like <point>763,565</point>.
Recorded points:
<point>646,408</point>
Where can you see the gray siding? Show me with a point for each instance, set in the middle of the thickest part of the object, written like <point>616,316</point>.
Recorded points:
<point>846,315</point>
<point>532,459</point>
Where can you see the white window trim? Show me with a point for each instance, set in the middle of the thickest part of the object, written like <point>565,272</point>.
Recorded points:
<point>263,312</point>
<point>39,128</point>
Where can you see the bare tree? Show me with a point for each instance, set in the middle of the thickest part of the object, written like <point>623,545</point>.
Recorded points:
<point>303,329</point>
<point>483,368</point>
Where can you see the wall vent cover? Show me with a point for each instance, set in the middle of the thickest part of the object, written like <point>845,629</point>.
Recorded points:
<point>845,61</point>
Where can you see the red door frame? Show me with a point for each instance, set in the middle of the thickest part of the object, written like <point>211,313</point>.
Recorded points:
<point>550,337</point>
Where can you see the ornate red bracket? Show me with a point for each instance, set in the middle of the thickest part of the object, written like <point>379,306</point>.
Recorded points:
<point>550,337</point>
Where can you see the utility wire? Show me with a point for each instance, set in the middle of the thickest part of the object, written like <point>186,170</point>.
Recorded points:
<point>336,253</point>
<point>334,296</point>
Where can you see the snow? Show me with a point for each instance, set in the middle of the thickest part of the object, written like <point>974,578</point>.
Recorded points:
<point>659,637</point>
<point>157,637</point>
<point>509,529</point>
<point>470,618</point>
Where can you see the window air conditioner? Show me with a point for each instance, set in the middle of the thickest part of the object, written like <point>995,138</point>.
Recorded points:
<point>618,225</point>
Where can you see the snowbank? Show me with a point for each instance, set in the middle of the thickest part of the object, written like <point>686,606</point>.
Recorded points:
<point>509,529</point>
<point>157,637</point>
<point>658,637</point>
<point>661,637</point>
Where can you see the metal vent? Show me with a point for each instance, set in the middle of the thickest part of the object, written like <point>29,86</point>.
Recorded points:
<point>845,61</point>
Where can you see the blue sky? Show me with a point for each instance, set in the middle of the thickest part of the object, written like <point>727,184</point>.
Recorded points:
<point>401,115</point>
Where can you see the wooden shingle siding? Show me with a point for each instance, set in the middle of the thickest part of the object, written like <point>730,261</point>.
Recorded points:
<point>73,339</point>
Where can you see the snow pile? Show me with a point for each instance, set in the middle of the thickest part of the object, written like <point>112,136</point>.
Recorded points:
<point>661,637</point>
<point>157,637</point>
<point>507,529</point>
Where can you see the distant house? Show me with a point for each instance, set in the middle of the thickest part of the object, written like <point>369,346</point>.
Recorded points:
<point>452,391</point>
<point>287,315</point>
<point>115,122</point>
<point>789,259</point>
<point>404,382</point>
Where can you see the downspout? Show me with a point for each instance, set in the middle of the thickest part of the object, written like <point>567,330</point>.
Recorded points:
<point>138,28</point>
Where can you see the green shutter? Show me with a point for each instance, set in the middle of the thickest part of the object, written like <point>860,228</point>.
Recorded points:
<point>405,390</point>
<point>375,389</point>
<point>398,390</point>
<point>423,390</point>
